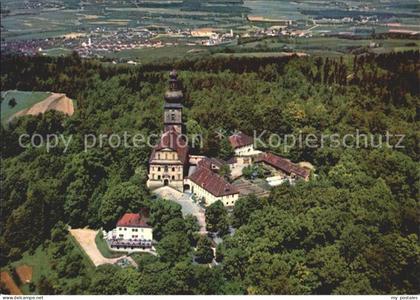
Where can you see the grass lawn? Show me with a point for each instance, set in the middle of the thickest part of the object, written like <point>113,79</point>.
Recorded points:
<point>104,249</point>
<point>23,100</point>
<point>40,262</point>
<point>88,262</point>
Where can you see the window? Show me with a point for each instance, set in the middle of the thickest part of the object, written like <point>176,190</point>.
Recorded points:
<point>125,229</point>
<point>159,169</point>
<point>119,228</point>
<point>121,235</point>
<point>135,230</point>
<point>166,168</point>
<point>173,177</point>
<point>173,169</point>
<point>158,155</point>
<point>158,177</point>
<point>134,236</point>
<point>172,117</point>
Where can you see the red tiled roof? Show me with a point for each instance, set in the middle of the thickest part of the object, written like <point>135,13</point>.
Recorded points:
<point>133,220</point>
<point>209,162</point>
<point>232,160</point>
<point>283,164</point>
<point>212,182</point>
<point>240,140</point>
<point>171,139</point>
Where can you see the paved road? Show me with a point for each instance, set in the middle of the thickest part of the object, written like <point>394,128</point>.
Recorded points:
<point>188,206</point>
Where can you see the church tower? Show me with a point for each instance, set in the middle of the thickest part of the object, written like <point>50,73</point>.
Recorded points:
<point>173,104</point>
<point>168,163</point>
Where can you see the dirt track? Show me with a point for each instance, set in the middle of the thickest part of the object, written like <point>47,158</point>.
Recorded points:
<point>86,239</point>
<point>10,284</point>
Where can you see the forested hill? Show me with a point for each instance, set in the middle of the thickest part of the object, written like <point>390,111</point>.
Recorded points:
<point>352,230</point>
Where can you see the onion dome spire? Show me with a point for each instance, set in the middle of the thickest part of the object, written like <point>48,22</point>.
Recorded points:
<point>174,93</point>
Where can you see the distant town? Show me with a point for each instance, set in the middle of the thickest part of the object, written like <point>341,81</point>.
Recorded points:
<point>100,33</point>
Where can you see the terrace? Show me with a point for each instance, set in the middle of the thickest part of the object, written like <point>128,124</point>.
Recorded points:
<point>131,244</point>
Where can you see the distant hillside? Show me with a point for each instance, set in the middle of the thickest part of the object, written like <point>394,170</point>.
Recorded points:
<point>19,103</point>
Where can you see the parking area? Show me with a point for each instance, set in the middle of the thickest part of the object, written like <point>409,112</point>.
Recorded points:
<point>188,206</point>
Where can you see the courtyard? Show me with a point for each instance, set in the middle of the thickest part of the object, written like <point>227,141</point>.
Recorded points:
<point>187,204</point>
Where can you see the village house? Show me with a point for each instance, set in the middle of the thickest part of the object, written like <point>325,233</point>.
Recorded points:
<point>283,167</point>
<point>131,233</point>
<point>243,144</point>
<point>205,184</point>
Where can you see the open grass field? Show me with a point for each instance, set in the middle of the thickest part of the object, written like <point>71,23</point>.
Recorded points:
<point>318,45</point>
<point>39,265</point>
<point>57,52</point>
<point>32,266</point>
<point>147,55</point>
<point>23,100</point>
<point>261,54</point>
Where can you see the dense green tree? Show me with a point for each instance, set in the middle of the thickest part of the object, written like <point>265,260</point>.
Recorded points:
<point>162,211</point>
<point>118,200</point>
<point>45,287</point>
<point>225,172</point>
<point>216,217</point>
<point>174,247</point>
<point>244,207</point>
<point>192,227</point>
<point>335,234</point>
<point>204,253</point>
<point>226,150</point>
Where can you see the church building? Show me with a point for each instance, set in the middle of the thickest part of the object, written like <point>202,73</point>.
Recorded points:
<point>168,163</point>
